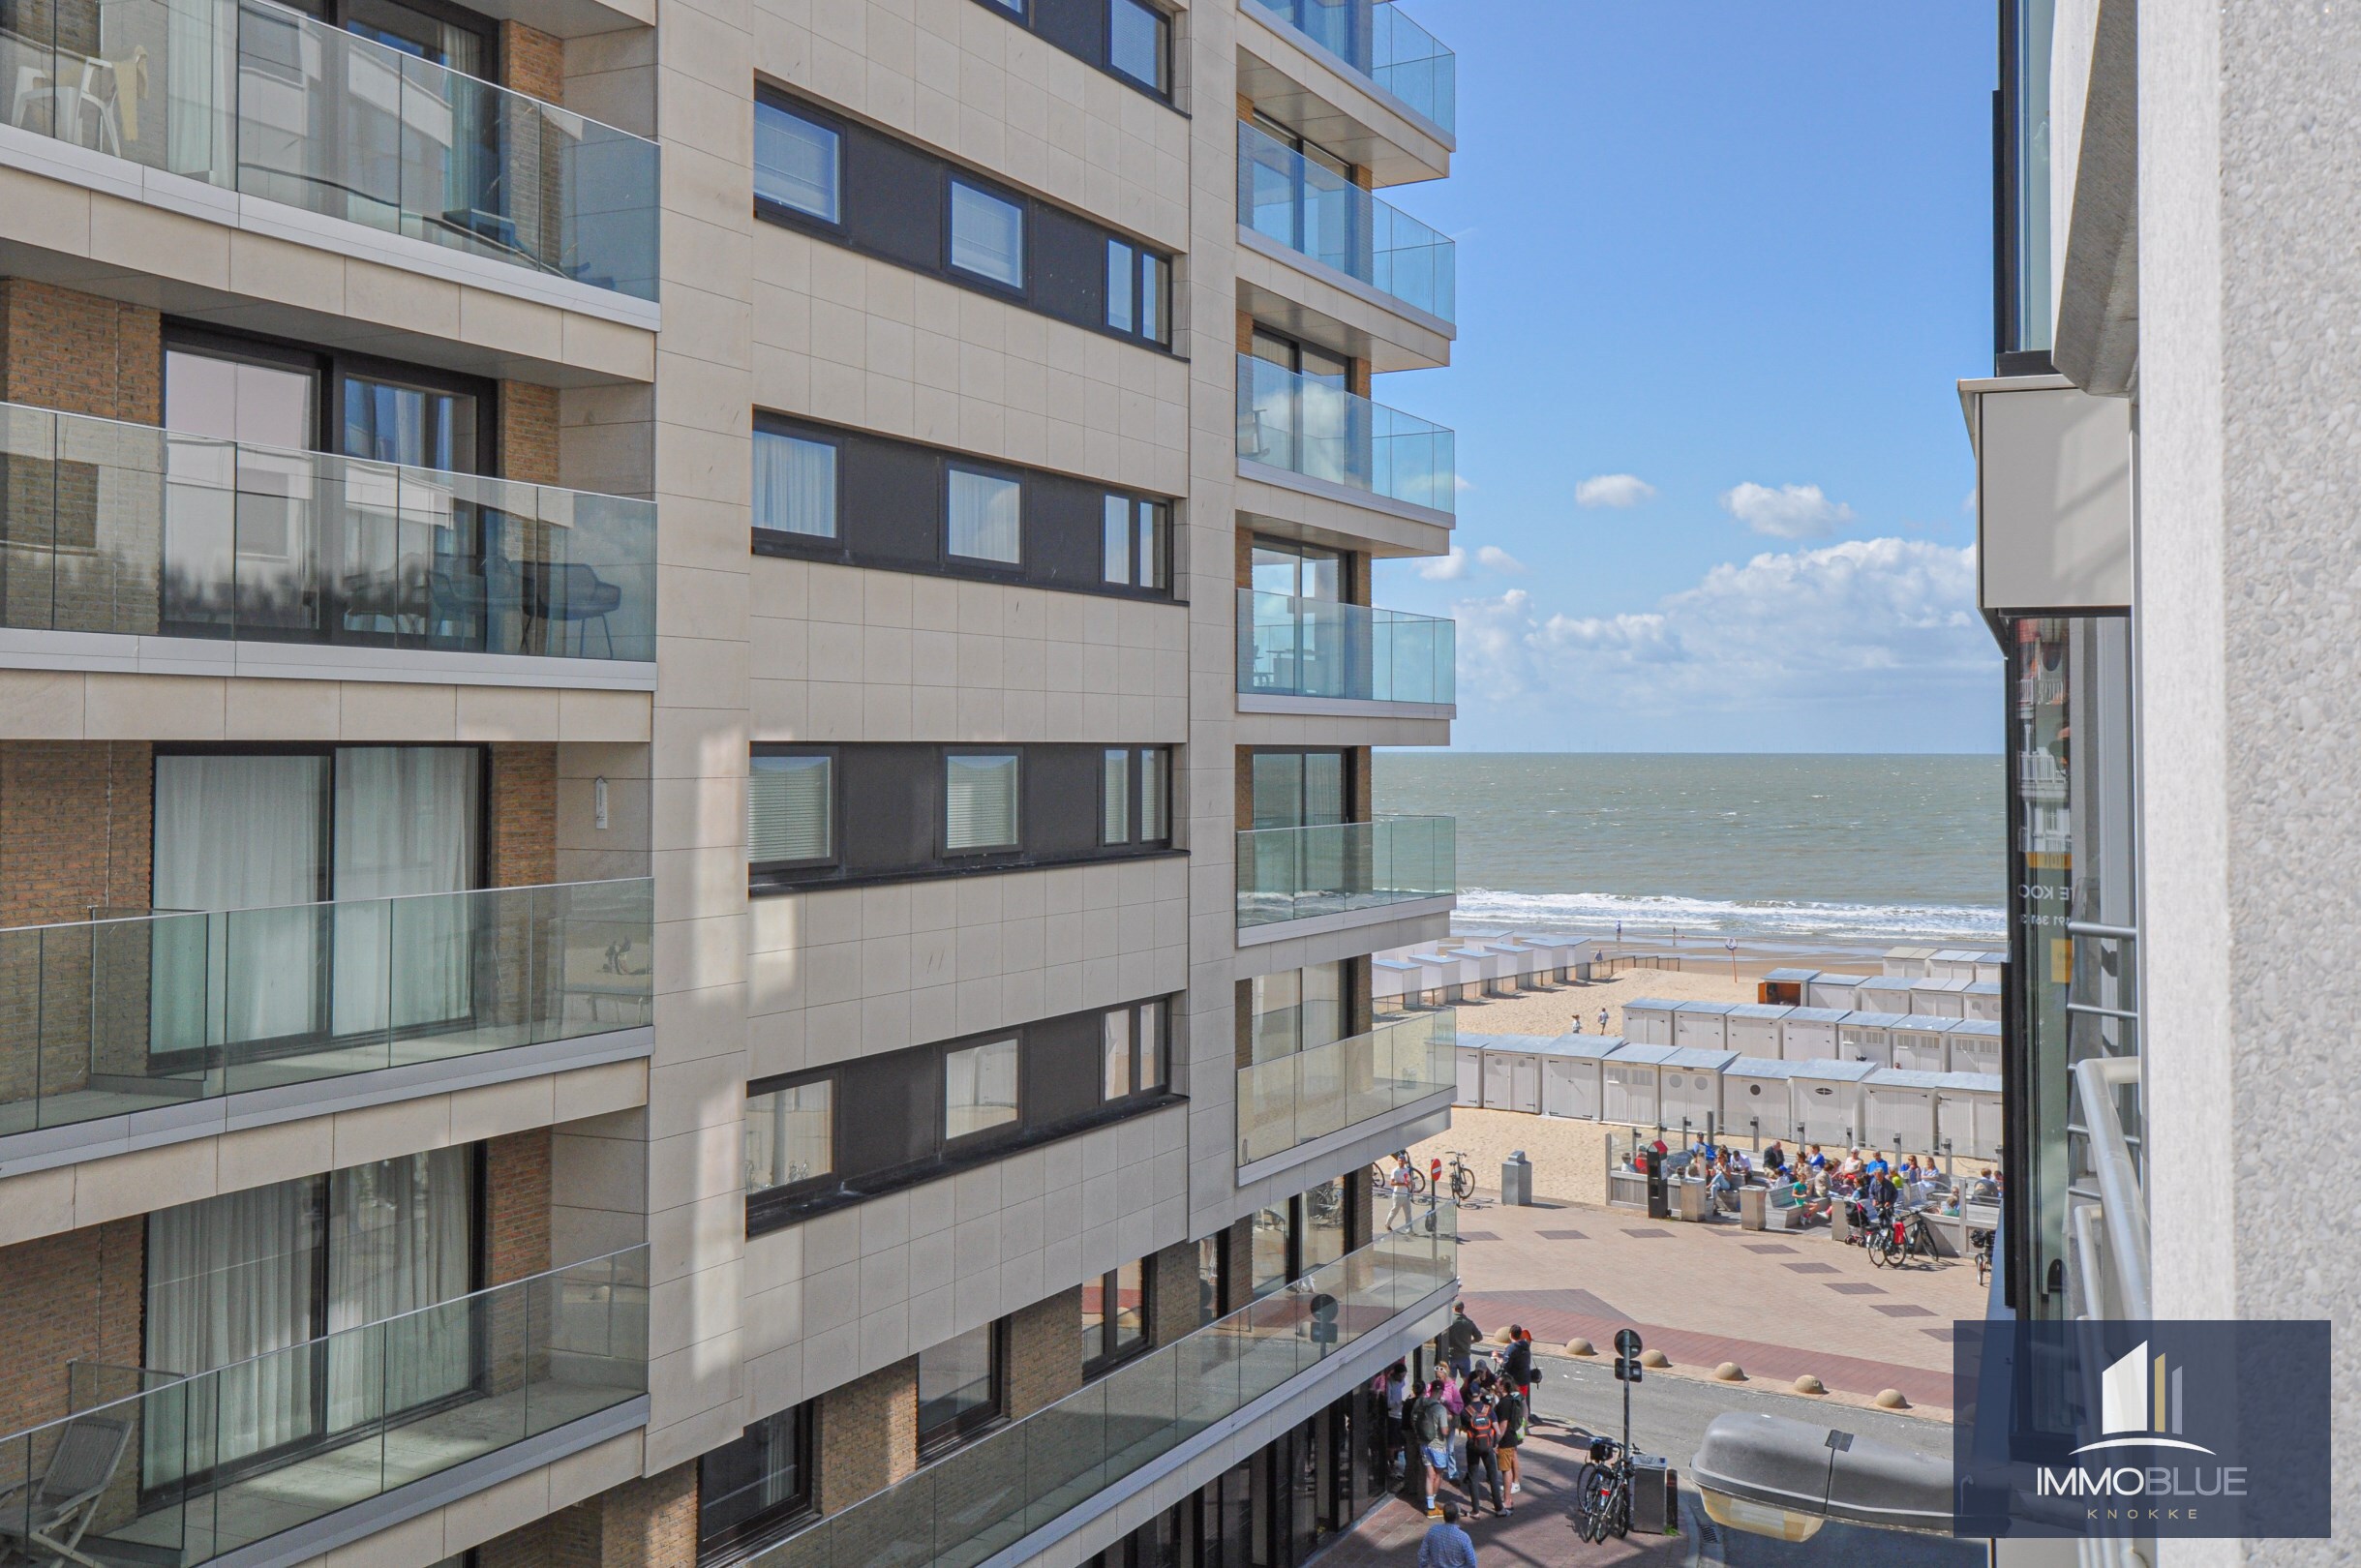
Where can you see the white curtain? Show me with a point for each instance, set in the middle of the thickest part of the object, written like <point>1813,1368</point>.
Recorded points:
<point>405,828</point>
<point>399,1239</point>
<point>231,1278</point>
<point>242,834</point>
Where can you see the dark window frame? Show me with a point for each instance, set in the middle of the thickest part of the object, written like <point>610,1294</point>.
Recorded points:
<point>1152,326</point>
<point>1023,13</point>
<point>815,436</point>
<point>1108,1359</point>
<point>986,852</point>
<point>800,110</point>
<point>1021,290</point>
<point>1162,91</point>
<point>955,1145</point>
<point>780,1083</point>
<point>986,567</point>
<point>933,1442</point>
<point>1141,759</point>
<point>836,806</point>
<point>733,1543</point>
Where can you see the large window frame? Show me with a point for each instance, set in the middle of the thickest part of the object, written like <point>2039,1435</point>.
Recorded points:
<point>797,1428</point>
<point>1115,1347</point>
<point>833,219</point>
<point>997,195</point>
<point>1142,818</point>
<point>969,1423</point>
<point>834,808</point>
<point>996,566</point>
<point>1012,846</point>
<point>1160,85</point>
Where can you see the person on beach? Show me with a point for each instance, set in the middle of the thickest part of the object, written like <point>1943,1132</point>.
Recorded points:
<point>1602,1020</point>
<point>1817,1161</point>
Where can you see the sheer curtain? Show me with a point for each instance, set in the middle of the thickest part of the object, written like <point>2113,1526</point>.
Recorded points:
<point>229,1278</point>
<point>242,834</point>
<point>400,1235</point>
<point>406,825</point>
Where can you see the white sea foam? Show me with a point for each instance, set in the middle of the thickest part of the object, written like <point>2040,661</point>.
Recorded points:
<point>1657,916</point>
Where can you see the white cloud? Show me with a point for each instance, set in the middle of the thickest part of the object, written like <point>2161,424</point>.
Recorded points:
<point>1613,490</point>
<point>1448,568</point>
<point>1499,559</point>
<point>1866,625</point>
<point>1789,512</point>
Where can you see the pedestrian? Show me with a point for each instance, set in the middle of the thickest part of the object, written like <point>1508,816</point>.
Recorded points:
<point>1460,1336</point>
<point>1578,1024</point>
<point>1401,1182</point>
<point>1517,1363</point>
<point>1396,1427</point>
<point>1447,1544</point>
<point>1431,1425</point>
<point>1602,1020</point>
<point>1514,1411</point>
<point>1482,1426</point>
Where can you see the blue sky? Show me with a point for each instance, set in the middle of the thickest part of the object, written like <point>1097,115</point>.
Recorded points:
<point>1741,253</point>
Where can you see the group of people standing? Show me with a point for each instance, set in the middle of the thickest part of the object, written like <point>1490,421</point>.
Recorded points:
<point>1469,1420</point>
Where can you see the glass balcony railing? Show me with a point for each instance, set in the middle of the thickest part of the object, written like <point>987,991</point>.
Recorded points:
<point>256,98</point>
<point>1300,873</point>
<point>1316,647</point>
<point>1375,38</point>
<point>1001,1488</point>
<point>1288,1100</point>
<point>1309,425</point>
<point>185,1469</point>
<point>132,530</point>
<point>138,1011</point>
<point>1313,209</point>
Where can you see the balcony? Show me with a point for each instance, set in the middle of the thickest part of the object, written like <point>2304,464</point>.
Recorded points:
<point>1292,1099</point>
<point>1343,868</point>
<point>999,1490</point>
<point>1318,213</point>
<point>250,97</point>
<point>134,532</point>
<point>1344,652</point>
<point>1375,38</point>
<point>187,1470</point>
<point>158,1016</point>
<point>1308,426</point>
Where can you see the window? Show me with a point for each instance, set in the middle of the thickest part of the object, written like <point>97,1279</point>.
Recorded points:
<point>1122,283</point>
<point>979,1089</point>
<point>1133,792</point>
<point>1211,1263</point>
<point>1132,1051</point>
<point>795,484</point>
<point>1138,292</point>
<point>984,513</point>
<point>1149,1074</point>
<point>791,1136</point>
<point>1115,1314</point>
<point>754,1485</point>
<point>1135,534</point>
<point>1155,796</point>
<point>1274,1230</point>
<point>1296,1009</point>
<point>1115,800</point>
<point>1320,1238</point>
<point>1115,537</point>
<point>958,1388</point>
<point>798,163</point>
<point>979,801</point>
<point>1117,1054</point>
<point>987,234</point>
<point>790,809</point>
<point>1139,43</point>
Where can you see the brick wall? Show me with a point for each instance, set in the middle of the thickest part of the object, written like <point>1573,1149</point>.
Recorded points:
<point>532,62</point>
<point>521,835</point>
<point>516,1205</point>
<point>867,1434</point>
<point>73,1295</point>
<point>529,428</point>
<point>1041,1353</point>
<point>1237,1280</point>
<point>1173,1293</point>
<point>651,1522</point>
<point>569,1538</point>
<point>74,827</point>
<point>80,353</point>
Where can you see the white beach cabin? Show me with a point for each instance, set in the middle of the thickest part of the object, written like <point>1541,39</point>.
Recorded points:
<point>1884,993</point>
<point>1629,1080</point>
<point>1572,1084</point>
<point>1974,1047</point>
<point>1824,1100</point>
<point>1702,1025</point>
<point>1968,1112</point>
<point>1512,1071</point>
<point>1869,1036</point>
<point>1648,1020</point>
<point>1829,989</point>
<point>1983,1000</point>
<point>1908,963</point>
<point>1688,1087</point>
<point>1752,1028</point>
<point>1808,1034</point>
<point>1921,1044</point>
<point>1754,1095</point>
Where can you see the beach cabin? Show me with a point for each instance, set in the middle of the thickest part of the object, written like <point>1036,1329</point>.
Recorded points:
<point>1897,1110</point>
<point>1454,976</point>
<point>1574,955</point>
<point>1975,1047</point>
<point>1784,985</point>
<point>1648,1020</point>
<point>1833,991</point>
<point>1991,966</point>
<point>1469,1079</point>
<point>1869,1036</point>
<point>1512,1071</point>
<point>1955,963</point>
<point>1688,1087</point>
<point>1940,998</point>
<point>1967,1112</point>
<point>1396,984</point>
<point>1883,993</point>
<point>1908,963</point>
<point>1701,1025</point>
<point>1628,1082</point>
<point>1808,1034</point>
<point>1754,1095</point>
<point>1534,962</point>
<point>1824,1100</point>
<point>1752,1028</point>
<point>1981,1000</point>
<point>1572,1082</point>
<point>1921,1044</point>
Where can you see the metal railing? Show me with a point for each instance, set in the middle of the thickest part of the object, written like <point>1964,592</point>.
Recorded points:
<point>2107,1235</point>
<point>133,1012</point>
<point>1317,212</point>
<point>1300,873</point>
<point>1291,1100</point>
<point>1308,425</point>
<point>1003,1487</point>
<point>1374,38</point>
<point>187,1468</point>
<point>265,100</point>
<point>1317,648</point>
<point>135,530</point>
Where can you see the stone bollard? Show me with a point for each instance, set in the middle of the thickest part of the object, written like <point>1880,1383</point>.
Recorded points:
<point>1516,1180</point>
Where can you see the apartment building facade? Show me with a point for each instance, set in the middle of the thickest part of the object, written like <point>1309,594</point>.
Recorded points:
<point>686,844</point>
<point>2166,547</point>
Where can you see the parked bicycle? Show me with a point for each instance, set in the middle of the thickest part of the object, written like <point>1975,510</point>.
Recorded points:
<point>1383,1172</point>
<point>1462,1178</point>
<point>1602,1492</point>
<point>1981,1241</point>
<point>1909,1236</point>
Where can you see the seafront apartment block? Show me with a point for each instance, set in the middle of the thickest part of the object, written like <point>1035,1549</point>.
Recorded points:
<point>685,841</point>
<point>2167,549</point>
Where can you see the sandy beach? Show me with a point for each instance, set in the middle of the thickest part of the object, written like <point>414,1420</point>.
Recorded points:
<point>1701,978</point>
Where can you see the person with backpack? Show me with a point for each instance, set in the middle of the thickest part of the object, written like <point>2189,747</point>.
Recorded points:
<point>1480,1421</point>
<point>1431,1425</point>
<point>1516,1362</point>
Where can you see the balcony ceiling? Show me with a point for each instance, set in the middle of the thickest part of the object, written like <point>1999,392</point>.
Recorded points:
<point>1302,87</point>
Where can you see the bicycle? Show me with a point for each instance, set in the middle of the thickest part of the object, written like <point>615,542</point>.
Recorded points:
<point>1384,1174</point>
<point>1602,1492</point>
<point>1981,1241</point>
<point>1463,1178</point>
<point>1910,1235</point>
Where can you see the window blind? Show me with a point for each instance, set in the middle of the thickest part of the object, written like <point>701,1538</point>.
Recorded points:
<point>979,802</point>
<point>983,517</point>
<point>1115,799</point>
<point>795,485</point>
<point>787,809</point>
<point>1154,814</point>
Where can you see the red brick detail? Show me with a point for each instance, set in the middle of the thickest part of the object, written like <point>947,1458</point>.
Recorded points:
<point>569,1538</point>
<point>516,1204</point>
<point>532,63</point>
<point>76,829</point>
<point>71,1296</point>
<point>1041,1353</point>
<point>1174,1290</point>
<point>77,352</point>
<point>868,1435</point>
<point>523,830</point>
<point>529,429</point>
<point>651,1522</point>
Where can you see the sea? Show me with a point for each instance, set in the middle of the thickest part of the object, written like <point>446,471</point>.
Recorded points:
<point>1778,853</point>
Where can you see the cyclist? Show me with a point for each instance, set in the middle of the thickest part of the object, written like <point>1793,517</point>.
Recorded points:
<point>1460,1336</point>
<point>1481,1421</point>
